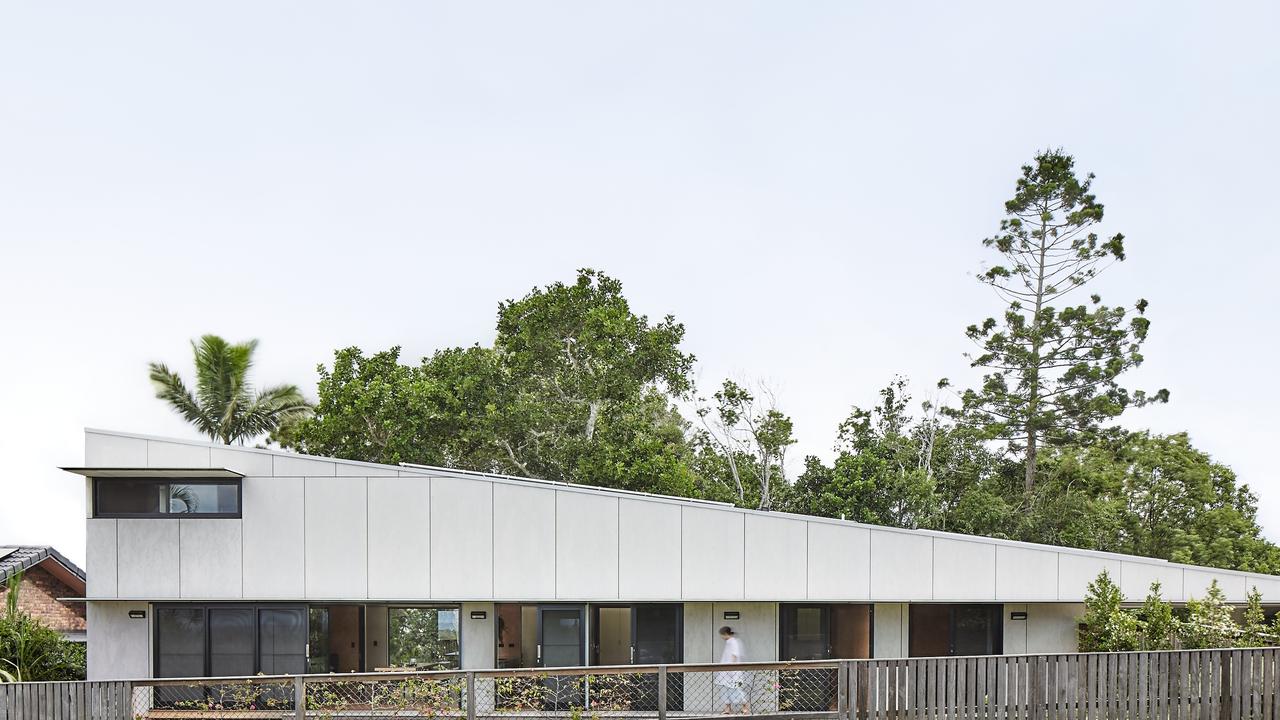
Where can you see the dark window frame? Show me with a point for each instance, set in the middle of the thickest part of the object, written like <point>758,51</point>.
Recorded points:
<point>995,635</point>
<point>204,608</point>
<point>238,482</point>
<point>430,606</point>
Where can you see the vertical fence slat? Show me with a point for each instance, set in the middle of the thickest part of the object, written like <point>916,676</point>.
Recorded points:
<point>919,678</point>
<point>1268,683</point>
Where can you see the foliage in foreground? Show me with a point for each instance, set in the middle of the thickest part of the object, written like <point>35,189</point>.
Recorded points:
<point>1204,623</point>
<point>31,651</point>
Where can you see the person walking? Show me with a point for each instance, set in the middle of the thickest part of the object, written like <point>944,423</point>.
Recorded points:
<point>732,682</point>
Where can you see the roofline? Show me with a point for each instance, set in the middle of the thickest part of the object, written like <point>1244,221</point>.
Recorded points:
<point>48,552</point>
<point>560,483</point>
<point>712,506</point>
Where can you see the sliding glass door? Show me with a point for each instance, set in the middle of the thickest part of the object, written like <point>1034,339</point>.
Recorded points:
<point>560,644</point>
<point>657,632</point>
<point>559,636</point>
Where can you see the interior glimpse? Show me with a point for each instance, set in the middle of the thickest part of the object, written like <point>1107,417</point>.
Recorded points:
<point>517,635</point>
<point>825,632</point>
<point>336,639</point>
<point>821,632</point>
<point>951,629</point>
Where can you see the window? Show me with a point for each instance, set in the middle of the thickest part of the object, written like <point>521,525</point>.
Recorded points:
<point>180,647</point>
<point>938,630</point>
<point>139,497</point>
<point>229,640</point>
<point>424,638</point>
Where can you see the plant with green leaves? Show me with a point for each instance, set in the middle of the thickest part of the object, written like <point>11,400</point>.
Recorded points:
<point>577,387</point>
<point>224,405</point>
<point>1209,622</point>
<point>1107,626</point>
<point>1158,626</point>
<point>1052,369</point>
<point>1255,631</point>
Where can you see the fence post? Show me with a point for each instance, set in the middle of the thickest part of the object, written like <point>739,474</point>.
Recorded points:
<point>842,689</point>
<point>662,692</point>
<point>471,695</point>
<point>299,697</point>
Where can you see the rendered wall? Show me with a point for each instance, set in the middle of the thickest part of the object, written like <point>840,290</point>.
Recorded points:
<point>326,530</point>
<point>119,647</point>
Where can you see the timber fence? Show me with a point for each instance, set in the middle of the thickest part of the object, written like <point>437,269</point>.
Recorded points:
<point>1173,685</point>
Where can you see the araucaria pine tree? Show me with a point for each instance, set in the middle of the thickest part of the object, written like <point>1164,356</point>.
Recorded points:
<point>1053,368</point>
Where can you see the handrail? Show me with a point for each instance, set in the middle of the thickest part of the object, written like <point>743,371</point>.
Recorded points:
<point>584,670</point>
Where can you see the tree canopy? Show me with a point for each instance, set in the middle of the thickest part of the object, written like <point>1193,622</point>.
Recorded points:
<point>579,387</point>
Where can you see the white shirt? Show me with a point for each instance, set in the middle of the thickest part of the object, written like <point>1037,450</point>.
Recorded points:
<point>732,654</point>
<point>732,650</point>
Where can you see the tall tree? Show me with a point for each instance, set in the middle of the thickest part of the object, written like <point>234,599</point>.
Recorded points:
<point>743,442</point>
<point>224,405</point>
<point>1053,370</point>
<point>578,362</point>
<point>577,388</point>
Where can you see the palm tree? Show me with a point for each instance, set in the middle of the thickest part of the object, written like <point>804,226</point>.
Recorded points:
<point>224,405</point>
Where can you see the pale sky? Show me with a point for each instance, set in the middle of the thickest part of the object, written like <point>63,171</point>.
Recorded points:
<point>804,184</point>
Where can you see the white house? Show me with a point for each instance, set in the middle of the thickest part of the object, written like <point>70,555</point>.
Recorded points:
<point>214,560</point>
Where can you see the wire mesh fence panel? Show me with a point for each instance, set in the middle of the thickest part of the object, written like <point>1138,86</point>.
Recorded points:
<point>424,695</point>
<point>249,698</point>
<point>576,695</point>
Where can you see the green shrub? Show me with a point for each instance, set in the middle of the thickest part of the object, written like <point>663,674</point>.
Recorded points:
<point>30,650</point>
<point>1106,626</point>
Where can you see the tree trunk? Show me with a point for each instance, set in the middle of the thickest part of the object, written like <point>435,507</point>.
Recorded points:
<point>593,414</point>
<point>1031,461</point>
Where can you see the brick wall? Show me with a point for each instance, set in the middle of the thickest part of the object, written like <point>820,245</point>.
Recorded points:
<point>38,596</point>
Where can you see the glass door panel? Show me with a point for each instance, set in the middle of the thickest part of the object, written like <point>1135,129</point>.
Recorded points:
<point>560,641</point>
<point>806,635</point>
<point>658,636</point>
<point>230,642</point>
<point>180,652</point>
<point>318,661</point>
<point>282,641</point>
<point>559,637</point>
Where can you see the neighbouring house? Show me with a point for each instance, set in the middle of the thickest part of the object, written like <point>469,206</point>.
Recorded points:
<point>215,560</point>
<point>49,587</point>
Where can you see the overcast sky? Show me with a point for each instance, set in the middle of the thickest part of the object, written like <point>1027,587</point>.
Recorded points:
<point>804,184</point>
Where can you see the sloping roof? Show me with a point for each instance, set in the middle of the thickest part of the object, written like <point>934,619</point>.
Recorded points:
<point>879,563</point>
<point>16,559</point>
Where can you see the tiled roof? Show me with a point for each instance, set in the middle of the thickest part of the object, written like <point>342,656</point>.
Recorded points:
<point>17,559</point>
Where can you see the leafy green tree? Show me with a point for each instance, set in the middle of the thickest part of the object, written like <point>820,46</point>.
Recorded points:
<point>577,388</point>
<point>1152,495</point>
<point>1106,626</point>
<point>577,357</point>
<point>894,469</point>
<point>1209,623</point>
<point>1255,631</point>
<point>224,405</point>
<point>31,651</point>
<point>375,409</point>
<point>744,444</point>
<point>1052,370</point>
<point>1159,628</point>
